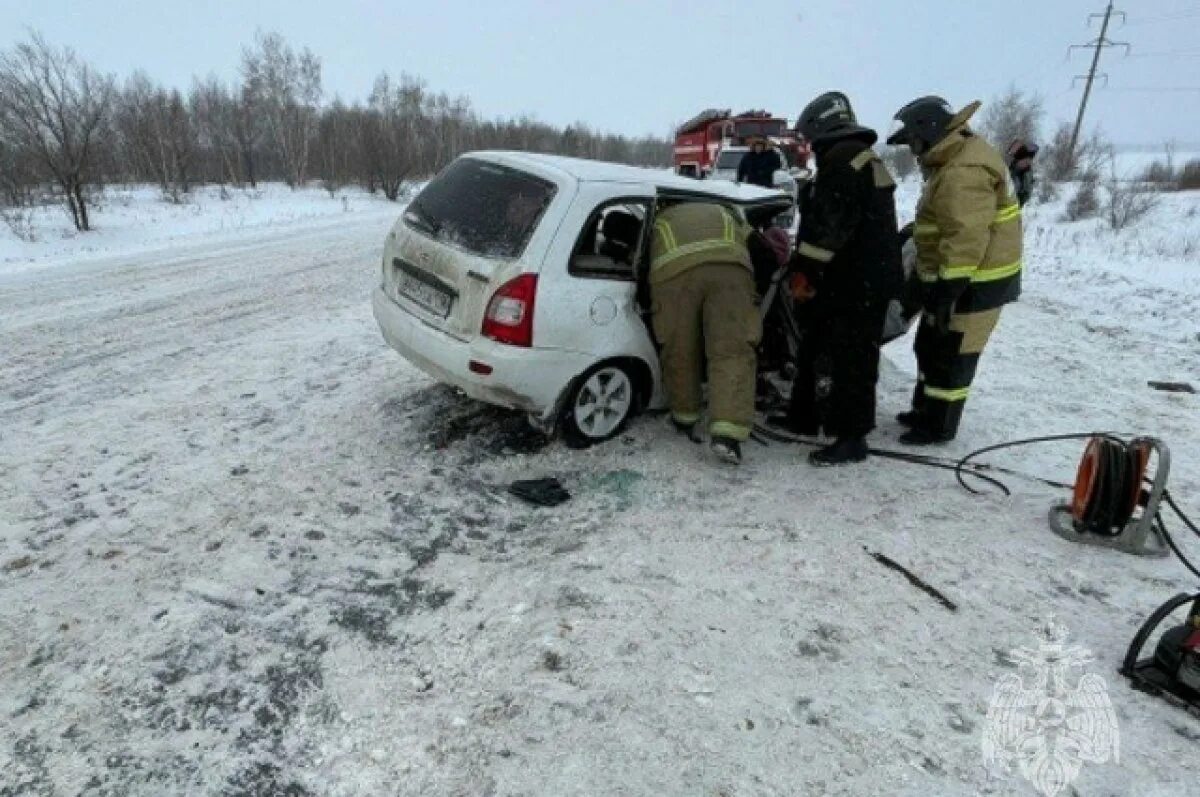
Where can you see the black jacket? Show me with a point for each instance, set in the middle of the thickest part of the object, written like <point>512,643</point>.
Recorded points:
<point>758,168</point>
<point>848,245</point>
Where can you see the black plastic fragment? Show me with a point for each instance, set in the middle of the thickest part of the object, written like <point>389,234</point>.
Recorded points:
<point>1172,387</point>
<point>540,492</point>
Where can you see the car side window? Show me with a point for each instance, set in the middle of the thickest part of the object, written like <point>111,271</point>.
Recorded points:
<point>611,241</point>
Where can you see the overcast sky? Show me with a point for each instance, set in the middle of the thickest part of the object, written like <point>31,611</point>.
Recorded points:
<point>638,66</point>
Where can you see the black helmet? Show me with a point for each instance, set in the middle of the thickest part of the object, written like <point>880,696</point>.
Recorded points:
<point>925,120</point>
<point>828,116</point>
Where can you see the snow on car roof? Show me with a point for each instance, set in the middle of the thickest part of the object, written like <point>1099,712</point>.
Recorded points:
<point>602,171</point>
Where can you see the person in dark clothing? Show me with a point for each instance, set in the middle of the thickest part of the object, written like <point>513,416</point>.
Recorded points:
<point>1020,166</point>
<point>848,262</point>
<point>759,165</point>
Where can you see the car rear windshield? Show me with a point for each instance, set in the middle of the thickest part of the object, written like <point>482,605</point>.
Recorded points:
<point>729,160</point>
<point>484,208</point>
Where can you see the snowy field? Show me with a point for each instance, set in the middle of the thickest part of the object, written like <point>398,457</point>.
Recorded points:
<point>245,549</point>
<point>1133,163</point>
<point>130,220</point>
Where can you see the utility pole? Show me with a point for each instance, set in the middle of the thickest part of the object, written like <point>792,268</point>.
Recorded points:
<point>1097,45</point>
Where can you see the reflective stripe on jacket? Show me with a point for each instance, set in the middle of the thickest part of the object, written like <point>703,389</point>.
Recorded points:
<point>968,228</point>
<point>691,233</point>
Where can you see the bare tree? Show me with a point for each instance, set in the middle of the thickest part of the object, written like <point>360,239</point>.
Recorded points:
<point>214,111</point>
<point>286,88</point>
<point>1014,115</point>
<point>17,185</point>
<point>445,122</point>
<point>62,124</point>
<point>54,106</point>
<point>157,135</point>
<point>1189,176</point>
<point>1058,160</point>
<point>248,131</point>
<point>1085,203</point>
<point>1089,157</point>
<point>1095,154</point>
<point>18,178</point>
<point>1129,202</point>
<point>337,150</point>
<point>401,131</point>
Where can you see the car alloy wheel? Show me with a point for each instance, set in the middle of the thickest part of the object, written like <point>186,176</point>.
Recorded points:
<point>603,403</point>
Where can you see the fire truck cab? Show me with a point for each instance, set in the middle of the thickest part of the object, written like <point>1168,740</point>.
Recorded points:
<point>699,140</point>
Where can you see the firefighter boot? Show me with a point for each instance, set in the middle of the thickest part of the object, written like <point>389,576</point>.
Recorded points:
<point>846,451</point>
<point>688,430</point>
<point>922,436</point>
<point>727,450</point>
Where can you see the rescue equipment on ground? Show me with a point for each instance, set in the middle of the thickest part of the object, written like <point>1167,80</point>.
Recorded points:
<point>1114,504</point>
<point>1173,672</point>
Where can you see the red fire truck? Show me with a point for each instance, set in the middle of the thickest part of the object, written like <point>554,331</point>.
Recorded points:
<point>700,139</point>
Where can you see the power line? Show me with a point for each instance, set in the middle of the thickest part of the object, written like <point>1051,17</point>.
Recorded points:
<point>1101,43</point>
<point>1168,54</point>
<point>1167,18</point>
<point>1154,89</point>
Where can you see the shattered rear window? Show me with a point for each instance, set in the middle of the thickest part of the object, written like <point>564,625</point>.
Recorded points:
<point>485,208</point>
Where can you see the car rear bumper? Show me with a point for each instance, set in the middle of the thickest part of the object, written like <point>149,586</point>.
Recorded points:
<point>531,380</point>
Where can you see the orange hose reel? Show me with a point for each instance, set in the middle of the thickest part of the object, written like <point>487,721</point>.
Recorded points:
<point>1109,482</point>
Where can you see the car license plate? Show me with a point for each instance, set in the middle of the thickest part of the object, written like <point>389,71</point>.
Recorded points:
<point>433,299</point>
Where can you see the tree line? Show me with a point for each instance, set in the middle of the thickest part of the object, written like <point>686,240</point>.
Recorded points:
<point>67,129</point>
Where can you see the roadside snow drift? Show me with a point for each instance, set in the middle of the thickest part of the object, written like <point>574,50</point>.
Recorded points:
<point>247,550</point>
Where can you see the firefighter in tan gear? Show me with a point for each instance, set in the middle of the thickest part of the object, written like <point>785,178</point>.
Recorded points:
<point>702,294</point>
<point>968,240</point>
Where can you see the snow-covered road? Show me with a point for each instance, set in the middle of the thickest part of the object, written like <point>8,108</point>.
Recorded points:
<point>245,549</point>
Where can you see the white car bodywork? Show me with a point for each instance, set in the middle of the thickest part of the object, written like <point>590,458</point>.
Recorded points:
<point>578,321</point>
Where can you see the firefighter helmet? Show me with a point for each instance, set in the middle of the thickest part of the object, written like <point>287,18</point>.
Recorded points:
<point>828,116</point>
<point>924,122</point>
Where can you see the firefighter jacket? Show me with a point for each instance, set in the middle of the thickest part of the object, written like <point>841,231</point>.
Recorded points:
<point>968,227</point>
<point>690,234</point>
<point>848,245</point>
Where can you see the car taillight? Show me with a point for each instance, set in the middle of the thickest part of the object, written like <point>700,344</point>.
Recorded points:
<point>509,316</point>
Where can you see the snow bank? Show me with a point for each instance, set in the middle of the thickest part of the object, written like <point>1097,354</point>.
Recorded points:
<point>132,219</point>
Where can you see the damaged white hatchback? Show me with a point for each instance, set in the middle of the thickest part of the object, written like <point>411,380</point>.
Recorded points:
<point>513,277</point>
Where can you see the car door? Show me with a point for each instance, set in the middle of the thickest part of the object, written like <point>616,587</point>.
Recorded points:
<point>587,303</point>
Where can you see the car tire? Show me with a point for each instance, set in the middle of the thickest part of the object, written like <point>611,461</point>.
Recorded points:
<point>600,404</point>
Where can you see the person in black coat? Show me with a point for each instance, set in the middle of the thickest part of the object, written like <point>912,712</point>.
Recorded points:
<point>759,165</point>
<point>1020,166</point>
<point>847,268</point>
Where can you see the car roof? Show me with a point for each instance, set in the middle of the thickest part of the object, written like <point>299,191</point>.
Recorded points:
<point>581,170</point>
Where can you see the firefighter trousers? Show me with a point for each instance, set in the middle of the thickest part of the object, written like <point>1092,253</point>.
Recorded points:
<point>947,362</point>
<point>707,316</point>
<point>838,368</point>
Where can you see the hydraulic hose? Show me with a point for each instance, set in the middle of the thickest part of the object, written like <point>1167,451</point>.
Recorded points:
<point>1108,502</point>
